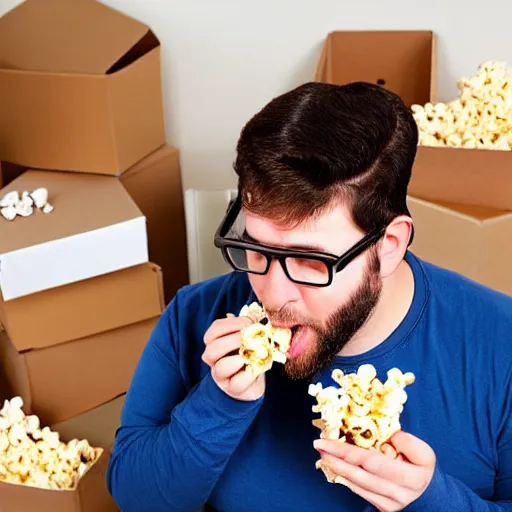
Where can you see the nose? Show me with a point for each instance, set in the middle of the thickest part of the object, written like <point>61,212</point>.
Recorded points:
<point>278,290</point>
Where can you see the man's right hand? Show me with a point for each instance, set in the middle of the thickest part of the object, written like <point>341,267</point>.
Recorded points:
<point>223,341</point>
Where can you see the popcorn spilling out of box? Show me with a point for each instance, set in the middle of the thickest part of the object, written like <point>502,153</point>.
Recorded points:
<point>13,204</point>
<point>481,117</point>
<point>35,456</point>
<point>363,410</point>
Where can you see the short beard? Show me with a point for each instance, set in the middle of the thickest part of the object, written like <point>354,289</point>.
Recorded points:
<point>341,327</point>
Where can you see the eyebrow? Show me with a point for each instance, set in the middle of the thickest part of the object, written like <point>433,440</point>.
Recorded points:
<point>294,247</point>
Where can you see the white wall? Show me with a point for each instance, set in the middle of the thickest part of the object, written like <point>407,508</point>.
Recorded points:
<point>224,59</point>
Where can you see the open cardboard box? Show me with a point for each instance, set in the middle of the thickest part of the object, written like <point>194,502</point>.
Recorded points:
<point>95,228</point>
<point>98,426</point>
<point>85,308</point>
<point>402,61</point>
<point>81,87</point>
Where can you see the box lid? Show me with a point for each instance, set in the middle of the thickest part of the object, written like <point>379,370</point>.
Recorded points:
<point>402,61</point>
<point>82,203</point>
<point>95,228</point>
<point>78,36</point>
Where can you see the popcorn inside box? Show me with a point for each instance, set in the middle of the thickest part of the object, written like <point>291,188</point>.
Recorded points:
<point>481,117</point>
<point>35,456</point>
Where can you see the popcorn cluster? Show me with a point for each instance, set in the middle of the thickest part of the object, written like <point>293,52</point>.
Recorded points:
<point>481,117</point>
<point>36,457</point>
<point>262,344</point>
<point>363,410</point>
<point>12,204</point>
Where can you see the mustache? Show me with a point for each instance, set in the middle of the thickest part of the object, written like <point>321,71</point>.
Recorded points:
<point>287,316</point>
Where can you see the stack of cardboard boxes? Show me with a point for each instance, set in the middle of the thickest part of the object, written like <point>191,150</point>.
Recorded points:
<point>460,198</point>
<point>83,285</point>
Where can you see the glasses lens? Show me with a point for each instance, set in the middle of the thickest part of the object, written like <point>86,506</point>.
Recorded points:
<point>248,260</point>
<point>308,270</point>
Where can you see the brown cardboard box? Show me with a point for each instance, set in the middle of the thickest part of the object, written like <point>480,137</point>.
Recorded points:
<point>402,61</point>
<point>98,426</point>
<point>81,87</point>
<point>475,177</point>
<point>474,241</point>
<point>65,380</point>
<point>82,309</point>
<point>156,187</point>
<point>95,228</point>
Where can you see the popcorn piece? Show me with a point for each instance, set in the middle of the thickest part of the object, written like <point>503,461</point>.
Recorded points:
<point>37,457</point>
<point>262,344</point>
<point>11,205</point>
<point>481,117</point>
<point>363,410</point>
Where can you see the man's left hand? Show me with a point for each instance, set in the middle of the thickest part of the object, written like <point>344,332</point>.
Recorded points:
<point>387,483</point>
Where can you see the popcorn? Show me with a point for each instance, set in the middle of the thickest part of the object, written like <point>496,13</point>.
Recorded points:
<point>362,410</point>
<point>12,205</point>
<point>262,344</point>
<point>37,457</point>
<point>481,117</point>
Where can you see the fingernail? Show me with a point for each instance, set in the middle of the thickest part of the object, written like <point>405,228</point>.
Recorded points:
<point>317,443</point>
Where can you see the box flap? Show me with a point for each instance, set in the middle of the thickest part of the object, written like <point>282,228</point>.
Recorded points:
<point>79,36</point>
<point>401,61</point>
<point>98,425</point>
<point>84,308</point>
<point>82,203</point>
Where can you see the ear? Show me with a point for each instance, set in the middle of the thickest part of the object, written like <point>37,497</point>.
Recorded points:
<point>394,244</point>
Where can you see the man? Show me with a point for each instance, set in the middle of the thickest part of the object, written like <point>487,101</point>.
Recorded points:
<point>319,235</point>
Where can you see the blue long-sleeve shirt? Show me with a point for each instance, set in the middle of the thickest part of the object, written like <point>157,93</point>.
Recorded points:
<point>183,442</point>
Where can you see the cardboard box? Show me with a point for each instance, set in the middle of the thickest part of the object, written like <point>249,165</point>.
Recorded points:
<point>62,381</point>
<point>156,187</point>
<point>402,61</point>
<point>91,495</point>
<point>81,87</point>
<point>95,228</point>
<point>85,308</point>
<point>474,241</point>
<point>474,177</point>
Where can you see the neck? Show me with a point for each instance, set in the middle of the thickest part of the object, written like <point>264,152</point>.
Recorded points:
<point>391,309</point>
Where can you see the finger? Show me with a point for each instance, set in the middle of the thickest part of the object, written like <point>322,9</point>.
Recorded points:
<point>227,367</point>
<point>395,470</point>
<point>243,380</point>
<point>221,348</point>
<point>224,326</point>
<point>367,481</point>
<point>230,315</point>
<point>414,449</point>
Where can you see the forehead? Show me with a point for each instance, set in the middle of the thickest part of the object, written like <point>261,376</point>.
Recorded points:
<point>333,229</point>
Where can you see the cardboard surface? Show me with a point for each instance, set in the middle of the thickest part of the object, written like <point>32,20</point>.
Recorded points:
<point>155,185</point>
<point>85,308</point>
<point>474,177</point>
<point>91,495</point>
<point>474,241</point>
<point>60,382</point>
<point>402,61</point>
<point>83,92</point>
<point>98,425</point>
<point>95,228</point>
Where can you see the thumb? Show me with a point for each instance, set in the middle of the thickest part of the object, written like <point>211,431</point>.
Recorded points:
<point>413,449</point>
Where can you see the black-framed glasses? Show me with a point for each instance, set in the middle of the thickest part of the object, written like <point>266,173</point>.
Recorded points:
<point>309,268</point>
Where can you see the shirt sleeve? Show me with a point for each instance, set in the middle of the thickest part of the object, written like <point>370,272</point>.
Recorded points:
<point>448,493</point>
<point>173,443</point>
